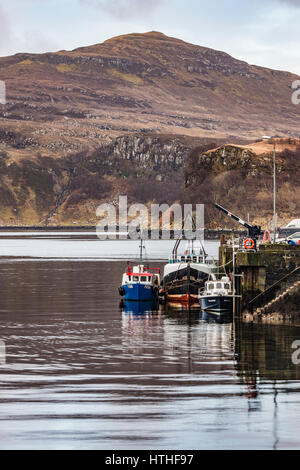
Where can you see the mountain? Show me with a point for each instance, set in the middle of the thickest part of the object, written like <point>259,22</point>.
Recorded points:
<point>81,126</point>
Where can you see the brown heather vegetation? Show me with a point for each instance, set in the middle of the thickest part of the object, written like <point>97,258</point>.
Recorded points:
<point>143,115</point>
<point>243,184</point>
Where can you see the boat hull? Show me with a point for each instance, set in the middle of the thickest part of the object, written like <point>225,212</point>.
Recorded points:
<point>183,284</point>
<point>184,298</point>
<point>217,305</point>
<point>139,292</point>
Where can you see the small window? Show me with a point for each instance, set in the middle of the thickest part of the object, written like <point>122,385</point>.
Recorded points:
<point>135,278</point>
<point>211,286</point>
<point>219,285</point>
<point>143,279</point>
<point>227,286</point>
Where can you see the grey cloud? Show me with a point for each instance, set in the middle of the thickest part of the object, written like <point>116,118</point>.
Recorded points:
<point>26,40</point>
<point>123,9</point>
<point>5,31</point>
<point>295,3</point>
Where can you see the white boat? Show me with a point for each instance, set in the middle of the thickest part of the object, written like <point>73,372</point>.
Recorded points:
<point>217,296</point>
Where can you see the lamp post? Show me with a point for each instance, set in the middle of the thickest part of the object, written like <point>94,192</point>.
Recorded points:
<point>266,137</point>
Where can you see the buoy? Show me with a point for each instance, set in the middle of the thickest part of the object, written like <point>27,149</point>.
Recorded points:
<point>249,244</point>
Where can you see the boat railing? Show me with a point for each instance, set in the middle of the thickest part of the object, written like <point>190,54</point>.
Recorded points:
<point>210,260</point>
<point>130,270</point>
<point>191,258</point>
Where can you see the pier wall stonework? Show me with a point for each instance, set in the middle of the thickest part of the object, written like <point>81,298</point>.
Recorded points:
<point>261,270</point>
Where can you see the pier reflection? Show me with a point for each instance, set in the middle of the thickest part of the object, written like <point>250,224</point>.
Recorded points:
<point>265,352</point>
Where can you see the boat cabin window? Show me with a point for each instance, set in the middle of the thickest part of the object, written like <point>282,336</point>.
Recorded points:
<point>219,285</point>
<point>227,286</point>
<point>135,278</point>
<point>210,286</point>
<point>143,279</point>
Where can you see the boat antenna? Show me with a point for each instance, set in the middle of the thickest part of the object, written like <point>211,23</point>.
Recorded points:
<point>141,251</point>
<point>202,246</point>
<point>179,240</point>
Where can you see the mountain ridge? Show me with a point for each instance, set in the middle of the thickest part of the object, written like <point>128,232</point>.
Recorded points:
<point>173,86</point>
<point>125,112</point>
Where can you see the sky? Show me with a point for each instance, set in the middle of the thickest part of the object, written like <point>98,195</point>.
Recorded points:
<point>262,32</point>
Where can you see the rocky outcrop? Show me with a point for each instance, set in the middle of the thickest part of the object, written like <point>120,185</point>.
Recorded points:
<point>241,179</point>
<point>149,153</point>
<point>46,190</point>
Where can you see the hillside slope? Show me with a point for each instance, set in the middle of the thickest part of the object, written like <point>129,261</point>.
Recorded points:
<point>240,178</point>
<point>80,127</point>
<point>65,101</point>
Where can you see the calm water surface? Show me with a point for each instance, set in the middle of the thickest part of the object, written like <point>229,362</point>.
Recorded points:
<point>83,372</point>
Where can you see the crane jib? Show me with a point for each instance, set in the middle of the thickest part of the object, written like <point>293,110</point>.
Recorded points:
<point>254,231</point>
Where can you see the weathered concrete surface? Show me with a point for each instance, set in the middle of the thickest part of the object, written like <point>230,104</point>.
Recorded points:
<point>260,271</point>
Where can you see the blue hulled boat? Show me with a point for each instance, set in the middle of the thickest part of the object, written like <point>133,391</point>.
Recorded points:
<point>140,282</point>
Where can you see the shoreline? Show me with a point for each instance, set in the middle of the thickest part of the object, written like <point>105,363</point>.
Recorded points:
<point>209,234</point>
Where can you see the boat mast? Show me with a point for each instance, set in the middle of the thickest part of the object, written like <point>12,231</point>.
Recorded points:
<point>141,252</point>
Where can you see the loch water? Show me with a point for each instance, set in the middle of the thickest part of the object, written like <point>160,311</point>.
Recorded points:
<point>80,371</point>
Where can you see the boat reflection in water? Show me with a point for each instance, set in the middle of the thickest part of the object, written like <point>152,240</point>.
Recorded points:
<point>177,307</point>
<point>143,307</point>
<point>195,311</point>
<point>212,318</point>
<point>221,365</point>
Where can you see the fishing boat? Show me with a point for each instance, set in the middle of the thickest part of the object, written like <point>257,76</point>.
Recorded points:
<point>185,275</point>
<point>140,282</point>
<point>217,296</point>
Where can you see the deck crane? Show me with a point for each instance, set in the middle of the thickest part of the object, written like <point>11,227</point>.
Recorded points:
<point>254,231</point>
